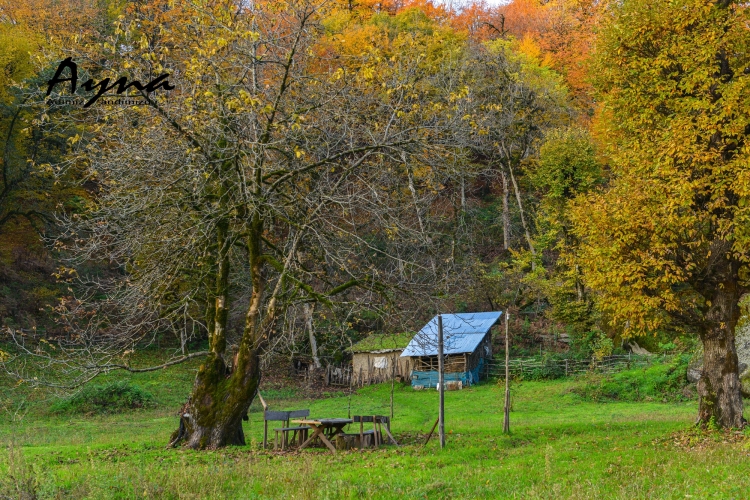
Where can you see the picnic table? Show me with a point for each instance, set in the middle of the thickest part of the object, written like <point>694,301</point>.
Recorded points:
<point>324,428</point>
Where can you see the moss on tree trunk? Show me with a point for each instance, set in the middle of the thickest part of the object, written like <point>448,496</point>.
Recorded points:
<point>212,417</point>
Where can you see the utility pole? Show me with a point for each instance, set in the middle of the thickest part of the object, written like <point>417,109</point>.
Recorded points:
<point>441,382</point>
<point>506,420</point>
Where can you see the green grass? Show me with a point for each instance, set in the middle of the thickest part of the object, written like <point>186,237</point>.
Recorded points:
<point>561,446</point>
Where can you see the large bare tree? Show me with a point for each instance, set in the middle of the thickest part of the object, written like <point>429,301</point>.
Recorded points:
<point>274,168</point>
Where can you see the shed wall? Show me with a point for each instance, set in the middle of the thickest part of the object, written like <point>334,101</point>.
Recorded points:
<point>466,367</point>
<point>368,367</point>
<point>429,379</point>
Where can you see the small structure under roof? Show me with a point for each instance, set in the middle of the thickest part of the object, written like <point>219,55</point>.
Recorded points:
<point>466,345</point>
<point>377,358</point>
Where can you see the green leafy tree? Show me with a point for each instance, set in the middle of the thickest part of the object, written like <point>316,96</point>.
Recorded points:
<point>667,243</point>
<point>566,168</point>
<point>31,190</point>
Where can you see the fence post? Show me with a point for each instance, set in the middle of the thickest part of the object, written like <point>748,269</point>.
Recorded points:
<point>566,367</point>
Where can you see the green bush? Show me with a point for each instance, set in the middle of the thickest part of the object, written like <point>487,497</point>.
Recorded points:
<point>582,342</point>
<point>658,382</point>
<point>110,398</point>
<point>551,370</point>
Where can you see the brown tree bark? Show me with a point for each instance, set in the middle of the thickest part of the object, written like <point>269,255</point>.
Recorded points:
<point>719,385</point>
<point>517,191</point>
<point>222,393</point>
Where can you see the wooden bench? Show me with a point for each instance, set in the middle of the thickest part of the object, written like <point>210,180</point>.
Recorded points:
<point>377,429</point>
<point>299,433</point>
<point>282,436</point>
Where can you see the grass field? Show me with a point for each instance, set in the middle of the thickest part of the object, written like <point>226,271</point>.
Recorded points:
<point>560,447</point>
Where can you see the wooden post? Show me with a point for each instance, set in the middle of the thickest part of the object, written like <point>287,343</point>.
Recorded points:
<point>506,410</point>
<point>361,434</point>
<point>393,380</point>
<point>349,402</point>
<point>431,431</point>
<point>265,433</point>
<point>441,382</point>
<point>265,422</point>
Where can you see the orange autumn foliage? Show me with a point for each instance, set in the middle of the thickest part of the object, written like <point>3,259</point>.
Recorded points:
<point>563,31</point>
<point>54,19</point>
<point>479,21</point>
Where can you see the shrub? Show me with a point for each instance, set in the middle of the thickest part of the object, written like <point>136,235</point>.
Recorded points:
<point>602,346</point>
<point>110,398</point>
<point>582,342</point>
<point>658,382</point>
<point>550,370</point>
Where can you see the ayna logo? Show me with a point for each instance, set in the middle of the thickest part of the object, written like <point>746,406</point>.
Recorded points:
<point>102,87</point>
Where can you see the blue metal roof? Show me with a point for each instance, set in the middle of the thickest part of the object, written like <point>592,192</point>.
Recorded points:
<point>461,333</point>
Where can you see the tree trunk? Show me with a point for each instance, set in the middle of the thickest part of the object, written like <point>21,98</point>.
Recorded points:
<point>414,197</point>
<point>719,385</point>
<point>523,216</point>
<point>212,417</point>
<point>463,194</point>
<point>308,309</point>
<point>506,212</point>
<point>579,283</point>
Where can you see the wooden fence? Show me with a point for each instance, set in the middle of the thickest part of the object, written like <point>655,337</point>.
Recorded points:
<point>555,367</point>
<point>339,375</point>
<point>342,375</point>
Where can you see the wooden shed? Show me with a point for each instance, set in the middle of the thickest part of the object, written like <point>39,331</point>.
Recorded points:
<point>467,343</point>
<point>377,358</point>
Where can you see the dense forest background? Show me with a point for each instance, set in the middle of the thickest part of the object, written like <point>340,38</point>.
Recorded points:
<point>319,171</point>
<point>508,238</point>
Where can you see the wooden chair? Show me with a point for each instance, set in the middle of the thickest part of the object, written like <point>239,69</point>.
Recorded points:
<point>379,421</point>
<point>370,435</point>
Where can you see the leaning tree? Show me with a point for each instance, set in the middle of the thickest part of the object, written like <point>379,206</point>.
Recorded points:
<point>666,244</point>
